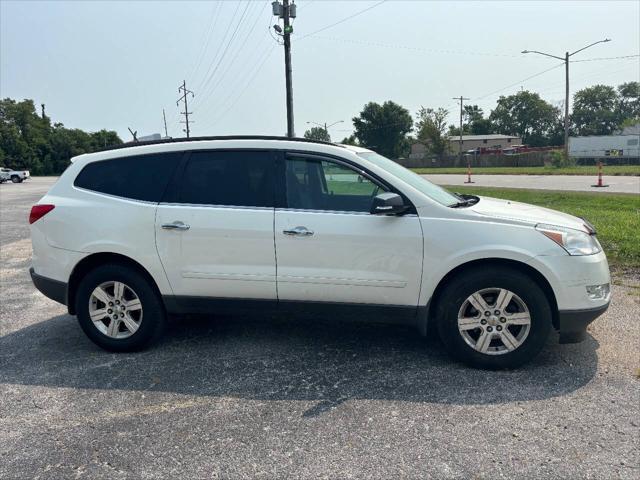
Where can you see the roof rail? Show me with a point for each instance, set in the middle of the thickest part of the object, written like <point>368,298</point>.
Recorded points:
<point>228,137</point>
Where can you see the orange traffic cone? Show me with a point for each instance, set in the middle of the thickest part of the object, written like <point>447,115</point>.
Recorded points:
<point>599,184</point>
<point>469,173</point>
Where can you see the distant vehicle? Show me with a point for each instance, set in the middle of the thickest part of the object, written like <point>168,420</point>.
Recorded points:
<point>16,176</point>
<point>266,224</point>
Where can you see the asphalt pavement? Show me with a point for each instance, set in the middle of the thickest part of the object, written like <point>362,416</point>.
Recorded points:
<point>575,183</point>
<point>279,398</point>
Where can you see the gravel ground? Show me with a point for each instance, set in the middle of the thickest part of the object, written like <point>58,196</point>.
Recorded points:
<point>274,398</point>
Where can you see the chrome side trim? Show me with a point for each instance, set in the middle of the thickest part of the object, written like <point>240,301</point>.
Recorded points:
<point>246,277</point>
<point>359,282</point>
<point>226,207</point>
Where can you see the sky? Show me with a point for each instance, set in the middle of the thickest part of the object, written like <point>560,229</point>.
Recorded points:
<point>117,64</point>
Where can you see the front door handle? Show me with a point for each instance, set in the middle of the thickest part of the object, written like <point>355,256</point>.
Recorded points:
<point>177,225</point>
<point>299,232</point>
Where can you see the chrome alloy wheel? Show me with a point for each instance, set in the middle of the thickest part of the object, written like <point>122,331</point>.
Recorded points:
<point>494,321</point>
<point>115,310</point>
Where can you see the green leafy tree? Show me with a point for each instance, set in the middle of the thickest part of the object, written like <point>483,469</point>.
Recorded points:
<point>595,111</point>
<point>431,127</point>
<point>317,133</point>
<point>350,140</point>
<point>526,115</point>
<point>30,141</point>
<point>474,122</point>
<point>629,103</point>
<point>384,128</point>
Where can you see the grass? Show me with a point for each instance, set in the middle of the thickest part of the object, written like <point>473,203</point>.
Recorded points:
<point>578,170</point>
<point>615,216</point>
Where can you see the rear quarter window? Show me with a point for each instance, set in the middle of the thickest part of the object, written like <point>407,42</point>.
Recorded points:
<point>139,177</point>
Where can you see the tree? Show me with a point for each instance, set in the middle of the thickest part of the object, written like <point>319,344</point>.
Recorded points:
<point>431,127</point>
<point>384,128</point>
<point>629,103</point>
<point>473,122</point>
<point>350,140</point>
<point>30,141</point>
<point>595,111</point>
<point>526,115</point>
<point>317,133</point>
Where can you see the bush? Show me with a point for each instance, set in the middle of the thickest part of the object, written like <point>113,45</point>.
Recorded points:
<point>559,160</point>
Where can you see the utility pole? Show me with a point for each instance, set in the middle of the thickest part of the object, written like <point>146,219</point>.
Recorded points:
<point>565,59</point>
<point>286,11</point>
<point>461,99</point>
<point>42,105</point>
<point>183,89</point>
<point>325,126</point>
<point>166,135</point>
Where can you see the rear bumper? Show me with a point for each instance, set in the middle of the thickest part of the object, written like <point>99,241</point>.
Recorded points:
<point>572,324</point>
<point>53,289</point>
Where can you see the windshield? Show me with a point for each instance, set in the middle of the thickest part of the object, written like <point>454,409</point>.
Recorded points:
<point>421,184</point>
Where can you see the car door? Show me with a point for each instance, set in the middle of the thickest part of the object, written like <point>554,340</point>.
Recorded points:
<point>329,247</point>
<point>214,229</point>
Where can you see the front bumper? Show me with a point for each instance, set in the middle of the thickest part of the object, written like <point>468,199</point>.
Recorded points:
<point>53,289</point>
<point>572,324</point>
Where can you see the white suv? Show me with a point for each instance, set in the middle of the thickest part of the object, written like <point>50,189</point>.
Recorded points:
<point>264,224</point>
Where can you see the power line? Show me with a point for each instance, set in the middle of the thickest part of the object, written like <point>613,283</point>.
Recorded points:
<point>219,48</point>
<point>341,21</point>
<point>226,49</point>
<point>606,58</point>
<point>417,49</point>
<point>235,56</point>
<point>212,26</point>
<point>241,93</point>
<point>518,82</point>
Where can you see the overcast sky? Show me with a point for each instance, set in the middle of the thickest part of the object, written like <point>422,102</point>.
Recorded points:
<point>118,64</point>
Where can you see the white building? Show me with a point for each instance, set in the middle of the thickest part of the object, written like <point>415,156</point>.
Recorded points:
<point>625,144</point>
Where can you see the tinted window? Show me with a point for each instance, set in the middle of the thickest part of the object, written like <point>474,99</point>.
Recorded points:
<point>324,185</point>
<point>242,178</point>
<point>142,177</point>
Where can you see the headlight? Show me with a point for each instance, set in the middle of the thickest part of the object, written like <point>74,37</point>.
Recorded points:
<point>575,242</point>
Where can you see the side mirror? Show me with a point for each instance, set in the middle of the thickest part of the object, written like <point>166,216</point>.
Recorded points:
<point>388,204</point>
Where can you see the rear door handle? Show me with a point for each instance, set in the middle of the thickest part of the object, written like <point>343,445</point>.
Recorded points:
<point>298,232</point>
<point>177,225</point>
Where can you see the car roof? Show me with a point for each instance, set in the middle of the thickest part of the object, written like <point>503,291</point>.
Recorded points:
<point>203,143</point>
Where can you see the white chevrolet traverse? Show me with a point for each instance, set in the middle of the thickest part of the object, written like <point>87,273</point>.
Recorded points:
<point>229,224</point>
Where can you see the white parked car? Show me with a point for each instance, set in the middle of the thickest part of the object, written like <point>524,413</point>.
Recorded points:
<point>16,176</point>
<point>264,224</point>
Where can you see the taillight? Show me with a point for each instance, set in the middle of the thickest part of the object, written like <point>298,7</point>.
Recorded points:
<point>39,211</point>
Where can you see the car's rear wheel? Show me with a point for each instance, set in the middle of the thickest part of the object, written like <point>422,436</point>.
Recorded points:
<point>494,318</point>
<point>16,179</point>
<point>119,309</point>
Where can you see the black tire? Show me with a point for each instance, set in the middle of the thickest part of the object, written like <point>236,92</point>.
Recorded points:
<point>16,179</point>
<point>468,282</point>
<point>154,316</point>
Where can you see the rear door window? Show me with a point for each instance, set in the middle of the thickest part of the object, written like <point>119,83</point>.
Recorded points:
<point>140,177</point>
<point>242,178</point>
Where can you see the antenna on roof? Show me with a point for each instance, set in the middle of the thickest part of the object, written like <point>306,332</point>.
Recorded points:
<point>134,134</point>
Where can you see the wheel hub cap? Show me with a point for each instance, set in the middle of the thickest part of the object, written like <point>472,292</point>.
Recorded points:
<point>115,309</point>
<point>494,321</point>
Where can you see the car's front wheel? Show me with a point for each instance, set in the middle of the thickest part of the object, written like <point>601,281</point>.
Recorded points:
<point>119,309</point>
<point>494,318</point>
<point>16,179</point>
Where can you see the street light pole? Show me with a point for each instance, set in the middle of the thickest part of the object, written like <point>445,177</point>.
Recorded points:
<point>565,59</point>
